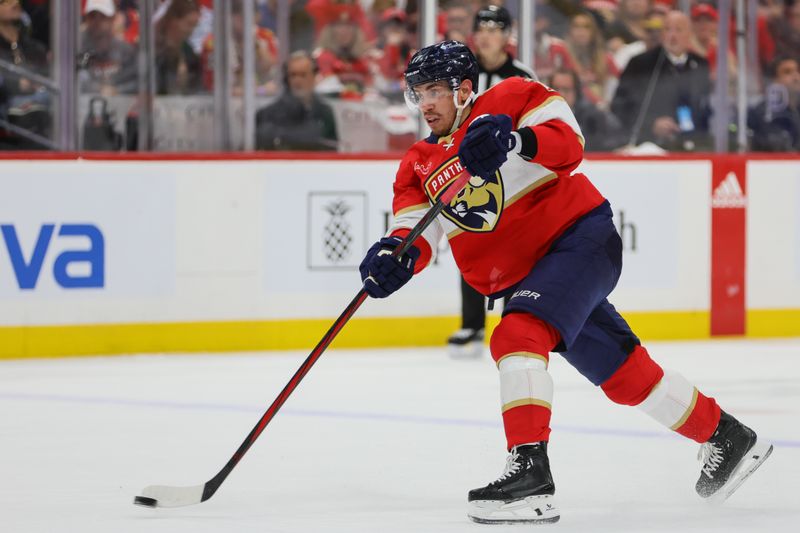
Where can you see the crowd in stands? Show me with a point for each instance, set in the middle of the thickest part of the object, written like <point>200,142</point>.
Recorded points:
<point>634,70</point>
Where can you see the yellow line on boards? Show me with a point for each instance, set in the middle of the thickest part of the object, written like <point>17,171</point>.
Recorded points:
<point>19,342</point>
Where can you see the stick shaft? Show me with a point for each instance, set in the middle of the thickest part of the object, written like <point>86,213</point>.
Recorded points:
<point>214,483</point>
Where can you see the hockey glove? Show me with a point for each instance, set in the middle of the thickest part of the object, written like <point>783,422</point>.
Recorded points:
<point>486,145</point>
<point>382,273</point>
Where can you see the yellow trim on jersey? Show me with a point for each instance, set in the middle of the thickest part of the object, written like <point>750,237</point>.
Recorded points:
<point>535,185</point>
<point>527,401</point>
<point>530,355</point>
<point>537,108</point>
<point>411,209</point>
<point>676,426</point>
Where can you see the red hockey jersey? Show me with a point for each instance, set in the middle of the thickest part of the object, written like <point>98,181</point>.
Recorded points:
<point>499,228</point>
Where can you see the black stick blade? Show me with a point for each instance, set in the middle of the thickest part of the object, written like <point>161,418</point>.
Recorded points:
<point>144,501</point>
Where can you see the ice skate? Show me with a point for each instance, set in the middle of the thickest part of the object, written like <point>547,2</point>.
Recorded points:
<point>729,457</point>
<point>523,494</point>
<point>466,343</point>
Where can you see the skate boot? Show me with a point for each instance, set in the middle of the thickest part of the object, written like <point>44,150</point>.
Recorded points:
<point>523,494</point>
<point>729,457</point>
<point>466,343</point>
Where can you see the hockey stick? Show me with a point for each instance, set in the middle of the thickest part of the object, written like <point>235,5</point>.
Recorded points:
<point>167,496</point>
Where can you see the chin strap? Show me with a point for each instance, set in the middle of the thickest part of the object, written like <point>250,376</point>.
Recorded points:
<point>460,110</point>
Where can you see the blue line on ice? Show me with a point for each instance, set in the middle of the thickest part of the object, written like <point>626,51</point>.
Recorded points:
<point>381,417</point>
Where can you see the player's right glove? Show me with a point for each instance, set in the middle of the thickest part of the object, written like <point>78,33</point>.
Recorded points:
<point>383,273</point>
<point>486,145</point>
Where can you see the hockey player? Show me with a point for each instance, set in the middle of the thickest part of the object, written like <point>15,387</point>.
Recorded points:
<point>526,226</point>
<point>492,33</point>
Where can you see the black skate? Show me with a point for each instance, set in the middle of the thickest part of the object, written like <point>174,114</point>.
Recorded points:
<point>729,457</point>
<point>466,343</point>
<point>523,494</point>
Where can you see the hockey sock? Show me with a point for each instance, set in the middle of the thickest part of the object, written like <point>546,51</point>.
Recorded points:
<point>521,345</point>
<point>664,395</point>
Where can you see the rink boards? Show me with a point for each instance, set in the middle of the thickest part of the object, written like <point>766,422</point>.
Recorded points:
<point>142,255</point>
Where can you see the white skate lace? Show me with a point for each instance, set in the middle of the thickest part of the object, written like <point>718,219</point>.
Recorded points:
<point>711,457</point>
<point>512,466</point>
<point>463,334</point>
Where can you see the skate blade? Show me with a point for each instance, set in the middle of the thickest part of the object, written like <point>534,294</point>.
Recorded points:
<point>530,510</point>
<point>471,350</point>
<point>754,458</point>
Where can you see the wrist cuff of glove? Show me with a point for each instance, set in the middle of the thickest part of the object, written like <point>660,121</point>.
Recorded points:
<point>527,143</point>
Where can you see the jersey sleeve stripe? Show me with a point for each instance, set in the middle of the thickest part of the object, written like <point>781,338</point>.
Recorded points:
<point>411,209</point>
<point>554,108</point>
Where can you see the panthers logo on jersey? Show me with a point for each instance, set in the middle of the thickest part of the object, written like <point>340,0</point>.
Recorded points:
<point>477,207</point>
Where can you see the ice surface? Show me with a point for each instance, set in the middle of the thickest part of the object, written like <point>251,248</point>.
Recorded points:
<point>372,440</point>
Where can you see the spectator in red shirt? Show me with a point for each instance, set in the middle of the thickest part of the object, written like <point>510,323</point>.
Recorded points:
<point>266,57</point>
<point>394,49</point>
<point>342,58</point>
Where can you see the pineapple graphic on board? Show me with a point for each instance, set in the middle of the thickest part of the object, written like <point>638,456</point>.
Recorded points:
<point>337,238</point>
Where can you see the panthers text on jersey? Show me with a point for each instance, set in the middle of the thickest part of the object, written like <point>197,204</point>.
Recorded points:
<point>500,227</point>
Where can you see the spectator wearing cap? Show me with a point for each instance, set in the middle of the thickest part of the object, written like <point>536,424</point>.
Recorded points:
<point>342,57</point>
<point>265,53</point>
<point>705,42</point>
<point>491,35</point>
<point>106,64</point>
<point>663,94</point>
<point>393,52</point>
<point>775,122</point>
<point>299,119</point>
<point>22,102</point>
<point>178,67</point>
<point>601,130</point>
<point>583,50</point>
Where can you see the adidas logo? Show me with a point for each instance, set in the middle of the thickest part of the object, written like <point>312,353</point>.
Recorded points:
<point>729,194</point>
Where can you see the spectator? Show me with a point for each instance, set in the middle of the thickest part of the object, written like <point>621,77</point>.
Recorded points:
<point>178,67</point>
<point>25,103</point>
<point>342,58</point>
<point>394,49</point>
<point>324,12</point>
<point>705,41</point>
<point>629,25</point>
<point>298,120</point>
<point>584,51</point>
<point>602,131</point>
<point>663,93</point>
<point>457,17</point>
<point>266,56</point>
<point>545,43</point>
<point>126,23</point>
<point>785,30</point>
<point>775,123</point>
<point>107,65</point>
<point>491,33</point>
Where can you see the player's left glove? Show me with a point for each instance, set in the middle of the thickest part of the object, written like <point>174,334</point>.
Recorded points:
<point>383,273</point>
<point>486,145</point>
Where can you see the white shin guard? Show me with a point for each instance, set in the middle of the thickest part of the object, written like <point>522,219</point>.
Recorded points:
<point>671,401</point>
<point>524,380</point>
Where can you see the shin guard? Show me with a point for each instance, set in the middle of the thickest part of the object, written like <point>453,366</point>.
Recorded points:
<point>521,345</point>
<point>666,396</point>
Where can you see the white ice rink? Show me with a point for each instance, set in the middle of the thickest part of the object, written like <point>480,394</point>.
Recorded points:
<point>372,441</point>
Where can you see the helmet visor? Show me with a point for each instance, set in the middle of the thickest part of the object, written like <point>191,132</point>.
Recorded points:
<point>427,94</point>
